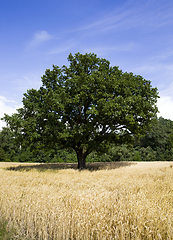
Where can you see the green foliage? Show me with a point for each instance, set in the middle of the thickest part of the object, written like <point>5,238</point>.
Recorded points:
<point>8,144</point>
<point>160,140</point>
<point>160,133</point>
<point>121,153</point>
<point>137,156</point>
<point>2,155</point>
<point>144,150</point>
<point>115,153</point>
<point>85,107</point>
<point>169,142</point>
<point>147,154</point>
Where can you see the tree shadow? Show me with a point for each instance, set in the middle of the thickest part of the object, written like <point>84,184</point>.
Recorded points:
<point>59,166</point>
<point>108,165</point>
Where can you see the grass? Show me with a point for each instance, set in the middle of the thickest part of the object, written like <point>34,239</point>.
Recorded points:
<point>3,231</point>
<point>4,235</point>
<point>112,201</point>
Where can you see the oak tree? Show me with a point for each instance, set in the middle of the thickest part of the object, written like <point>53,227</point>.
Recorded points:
<point>86,106</point>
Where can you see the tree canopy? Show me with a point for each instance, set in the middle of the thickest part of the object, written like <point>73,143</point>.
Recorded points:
<point>85,106</point>
<point>160,139</point>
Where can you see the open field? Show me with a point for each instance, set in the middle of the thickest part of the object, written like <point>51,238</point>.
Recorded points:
<point>123,201</point>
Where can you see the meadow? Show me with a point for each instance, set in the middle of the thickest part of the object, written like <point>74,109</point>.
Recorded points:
<point>122,200</point>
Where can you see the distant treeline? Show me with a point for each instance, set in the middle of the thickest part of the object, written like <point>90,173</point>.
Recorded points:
<point>156,145</point>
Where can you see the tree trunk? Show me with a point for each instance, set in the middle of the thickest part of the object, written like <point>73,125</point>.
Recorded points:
<point>81,159</point>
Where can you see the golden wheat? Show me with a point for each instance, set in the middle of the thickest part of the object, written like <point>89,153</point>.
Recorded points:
<point>132,202</point>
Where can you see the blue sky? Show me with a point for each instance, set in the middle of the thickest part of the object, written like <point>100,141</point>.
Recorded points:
<point>135,35</point>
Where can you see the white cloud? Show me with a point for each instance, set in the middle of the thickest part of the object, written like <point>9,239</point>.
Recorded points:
<point>165,102</point>
<point>165,106</point>
<point>7,106</point>
<point>39,37</point>
<point>42,36</point>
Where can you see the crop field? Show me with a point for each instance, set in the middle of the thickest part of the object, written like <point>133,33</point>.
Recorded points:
<point>123,200</point>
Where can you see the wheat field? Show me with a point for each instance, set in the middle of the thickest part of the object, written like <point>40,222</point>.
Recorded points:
<point>115,201</point>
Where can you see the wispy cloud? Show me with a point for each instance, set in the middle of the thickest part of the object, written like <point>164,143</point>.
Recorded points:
<point>103,50</point>
<point>28,81</point>
<point>159,72</point>
<point>38,38</point>
<point>134,14</point>
<point>4,99</point>
<point>167,90</point>
<point>60,48</point>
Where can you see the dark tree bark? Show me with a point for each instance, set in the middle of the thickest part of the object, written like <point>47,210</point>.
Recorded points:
<point>81,157</point>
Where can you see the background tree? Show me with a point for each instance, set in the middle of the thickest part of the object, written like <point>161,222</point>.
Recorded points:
<point>2,155</point>
<point>160,139</point>
<point>86,106</point>
<point>8,144</point>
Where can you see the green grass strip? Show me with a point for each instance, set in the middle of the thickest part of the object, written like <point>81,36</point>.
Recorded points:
<point>4,235</point>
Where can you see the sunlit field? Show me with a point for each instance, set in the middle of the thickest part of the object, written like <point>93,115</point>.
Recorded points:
<point>112,201</point>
